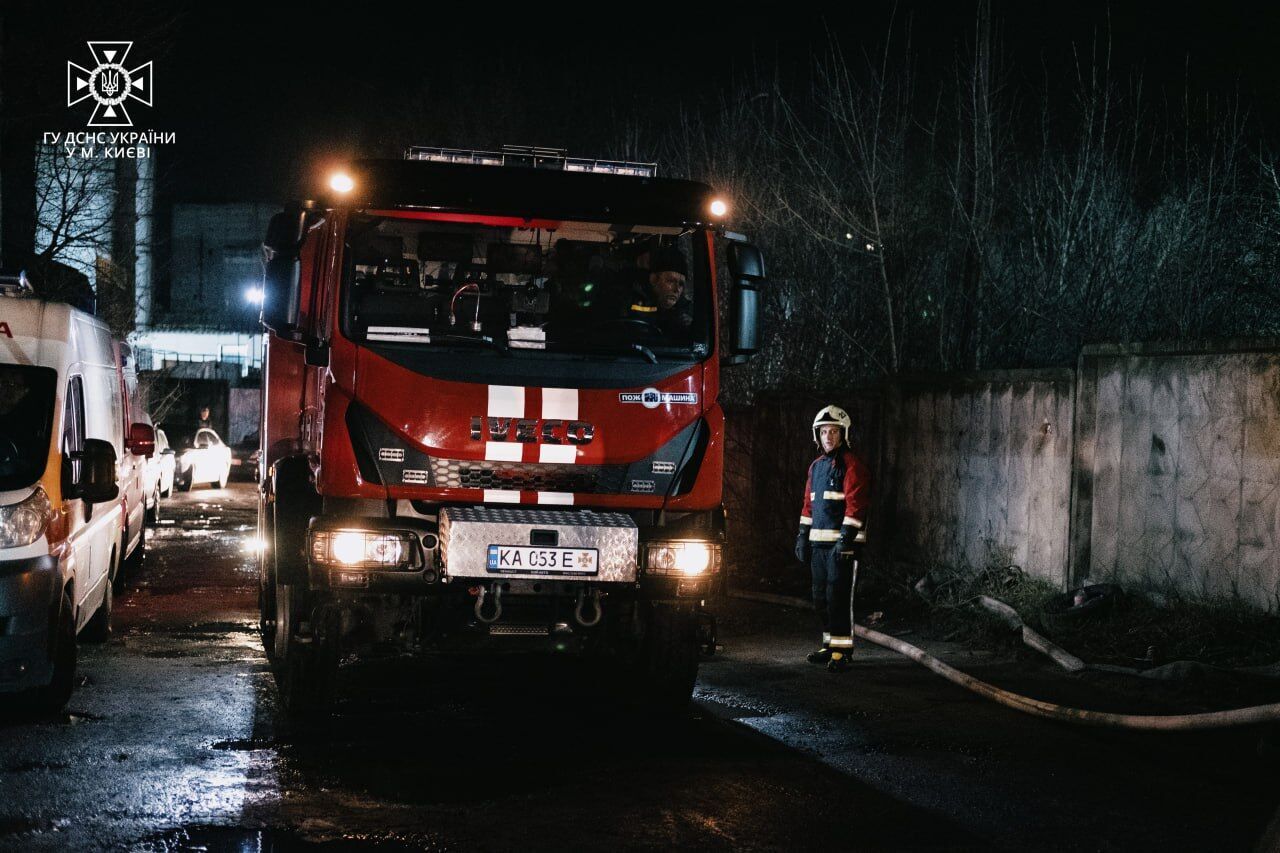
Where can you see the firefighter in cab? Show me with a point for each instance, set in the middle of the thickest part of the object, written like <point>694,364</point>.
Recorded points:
<point>660,301</point>
<point>833,529</point>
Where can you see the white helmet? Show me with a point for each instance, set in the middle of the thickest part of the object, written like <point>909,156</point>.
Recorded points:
<point>832,416</point>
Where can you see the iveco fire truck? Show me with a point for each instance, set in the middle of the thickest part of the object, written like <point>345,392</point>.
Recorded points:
<point>483,430</point>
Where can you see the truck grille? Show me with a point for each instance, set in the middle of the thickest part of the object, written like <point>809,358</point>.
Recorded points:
<point>527,476</point>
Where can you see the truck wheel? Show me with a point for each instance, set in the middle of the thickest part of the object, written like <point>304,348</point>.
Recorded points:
<point>669,657</point>
<point>306,666</point>
<point>53,697</point>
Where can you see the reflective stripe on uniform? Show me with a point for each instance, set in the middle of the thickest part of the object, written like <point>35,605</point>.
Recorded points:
<point>833,496</point>
<point>647,309</point>
<point>853,522</point>
<point>804,519</point>
<point>826,639</point>
<point>861,537</point>
<point>816,535</point>
<point>841,642</point>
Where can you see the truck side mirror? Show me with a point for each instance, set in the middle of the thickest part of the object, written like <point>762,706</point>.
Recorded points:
<point>746,267</point>
<point>282,277</point>
<point>142,440</point>
<point>98,476</point>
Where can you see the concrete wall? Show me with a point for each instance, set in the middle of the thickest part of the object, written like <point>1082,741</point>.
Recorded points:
<point>977,471</point>
<point>1179,470</point>
<point>1149,465</point>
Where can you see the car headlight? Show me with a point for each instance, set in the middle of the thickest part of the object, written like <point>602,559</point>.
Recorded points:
<point>362,549</point>
<point>24,523</point>
<point>686,559</point>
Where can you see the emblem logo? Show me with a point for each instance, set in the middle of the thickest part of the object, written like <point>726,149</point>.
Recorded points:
<point>110,83</point>
<point>652,398</point>
<point>530,431</point>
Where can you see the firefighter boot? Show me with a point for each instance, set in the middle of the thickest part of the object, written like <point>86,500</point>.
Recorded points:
<point>839,662</point>
<point>821,656</point>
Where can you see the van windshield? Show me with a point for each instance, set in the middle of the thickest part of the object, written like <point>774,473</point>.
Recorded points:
<point>26,420</point>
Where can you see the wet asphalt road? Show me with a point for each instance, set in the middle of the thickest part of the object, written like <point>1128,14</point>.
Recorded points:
<point>173,741</point>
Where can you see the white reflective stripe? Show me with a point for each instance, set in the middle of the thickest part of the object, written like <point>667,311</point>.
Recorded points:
<point>813,495</point>
<point>563,498</point>
<point>560,403</point>
<point>861,537</point>
<point>853,522</point>
<point>833,496</point>
<point>563,454</point>
<point>826,639</point>
<point>506,401</point>
<point>497,496</point>
<point>502,451</point>
<point>842,642</point>
<point>824,535</point>
<point>804,519</point>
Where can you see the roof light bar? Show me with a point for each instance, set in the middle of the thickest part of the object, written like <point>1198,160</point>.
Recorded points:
<point>531,157</point>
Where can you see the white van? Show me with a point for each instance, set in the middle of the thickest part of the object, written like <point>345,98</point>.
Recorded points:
<point>64,522</point>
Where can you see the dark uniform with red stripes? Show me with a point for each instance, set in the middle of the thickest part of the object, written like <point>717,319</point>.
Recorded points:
<point>832,527</point>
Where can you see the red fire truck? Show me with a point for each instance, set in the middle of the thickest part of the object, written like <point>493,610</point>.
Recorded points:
<point>488,423</point>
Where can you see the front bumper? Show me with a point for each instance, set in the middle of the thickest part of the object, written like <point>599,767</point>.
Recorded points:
<point>28,590</point>
<point>454,554</point>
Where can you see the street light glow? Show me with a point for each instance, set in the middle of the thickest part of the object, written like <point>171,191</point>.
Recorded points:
<point>719,208</point>
<point>341,182</point>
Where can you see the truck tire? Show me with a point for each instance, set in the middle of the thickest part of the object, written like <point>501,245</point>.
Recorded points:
<point>53,697</point>
<point>669,657</point>
<point>305,666</point>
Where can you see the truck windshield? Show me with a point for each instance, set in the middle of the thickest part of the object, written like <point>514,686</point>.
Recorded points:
<point>506,291</point>
<point>26,418</point>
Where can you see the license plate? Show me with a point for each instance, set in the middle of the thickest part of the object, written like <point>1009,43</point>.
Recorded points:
<point>526,560</point>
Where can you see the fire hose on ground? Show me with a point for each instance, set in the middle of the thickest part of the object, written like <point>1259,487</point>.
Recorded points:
<point>1049,710</point>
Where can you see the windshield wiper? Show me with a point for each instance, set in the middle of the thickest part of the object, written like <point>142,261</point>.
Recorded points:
<point>482,340</point>
<point>628,347</point>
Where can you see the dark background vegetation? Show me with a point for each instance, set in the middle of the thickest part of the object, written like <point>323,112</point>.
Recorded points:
<point>938,186</point>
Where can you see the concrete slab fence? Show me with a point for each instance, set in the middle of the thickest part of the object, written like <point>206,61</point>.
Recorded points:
<point>1150,465</point>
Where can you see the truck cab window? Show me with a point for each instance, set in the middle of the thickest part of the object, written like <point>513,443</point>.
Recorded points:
<point>581,287</point>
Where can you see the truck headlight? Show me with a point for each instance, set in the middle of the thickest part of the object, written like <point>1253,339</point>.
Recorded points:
<point>686,559</point>
<point>362,549</point>
<point>24,522</point>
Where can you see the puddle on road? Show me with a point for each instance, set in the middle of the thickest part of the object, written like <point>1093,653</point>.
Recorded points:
<point>232,838</point>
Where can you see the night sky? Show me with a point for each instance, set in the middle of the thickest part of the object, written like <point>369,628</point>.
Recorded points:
<point>263,97</point>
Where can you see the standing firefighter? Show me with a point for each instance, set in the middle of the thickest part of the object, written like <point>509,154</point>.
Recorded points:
<point>832,529</point>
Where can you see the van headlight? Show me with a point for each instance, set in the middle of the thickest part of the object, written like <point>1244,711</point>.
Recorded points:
<point>23,523</point>
<point>685,559</point>
<point>362,549</point>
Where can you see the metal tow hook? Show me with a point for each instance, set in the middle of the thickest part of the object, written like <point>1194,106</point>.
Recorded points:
<point>497,604</point>
<point>598,613</point>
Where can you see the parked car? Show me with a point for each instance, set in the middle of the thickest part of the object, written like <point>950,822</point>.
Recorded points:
<point>159,476</point>
<point>67,448</point>
<point>201,456</point>
<point>244,457</point>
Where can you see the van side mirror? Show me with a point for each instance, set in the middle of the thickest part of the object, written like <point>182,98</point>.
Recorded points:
<point>746,267</point>
<point>142,440</point>
<point>98,476</point>
<point>282,275</point>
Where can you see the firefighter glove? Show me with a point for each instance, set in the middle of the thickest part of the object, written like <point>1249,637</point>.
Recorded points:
<point>803,549</point>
